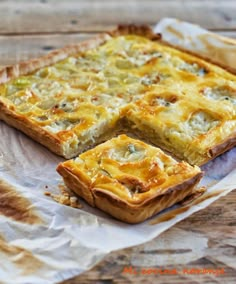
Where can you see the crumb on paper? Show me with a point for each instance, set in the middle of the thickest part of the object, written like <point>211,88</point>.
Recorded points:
<point>66,197</point>
<point>74,201</point>
<point>201,189</point>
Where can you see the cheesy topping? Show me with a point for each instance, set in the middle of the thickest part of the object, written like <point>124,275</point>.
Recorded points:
<point>185,125</point>
<point>200,123</point>
<point>129,169</point>
<point>220,94</point>
<point>83,96</point>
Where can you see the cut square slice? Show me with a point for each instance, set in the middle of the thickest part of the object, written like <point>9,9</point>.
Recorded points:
<point>129,179</point>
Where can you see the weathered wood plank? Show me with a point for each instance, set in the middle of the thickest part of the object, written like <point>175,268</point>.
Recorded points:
<point>208,237</point>
<point>22,47</point>
<point>52,16</point>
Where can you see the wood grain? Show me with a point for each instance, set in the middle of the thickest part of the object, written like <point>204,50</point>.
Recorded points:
<point>53,16</point>
<point>22,47</point>
<point>215,226</point>
<point>18,48</point>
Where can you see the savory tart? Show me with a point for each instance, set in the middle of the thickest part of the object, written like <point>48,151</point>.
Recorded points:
<point>195,128</point>
<point>129,179</point>
<point>74,98</point>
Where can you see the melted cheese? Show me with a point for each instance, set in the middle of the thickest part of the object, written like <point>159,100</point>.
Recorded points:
<point>129,169</point>
<point>84,95</point>
<point>220,94</point>
<point>186,126</point>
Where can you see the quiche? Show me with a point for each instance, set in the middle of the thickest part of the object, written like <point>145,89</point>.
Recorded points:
<point>76,97</point>
<point>194,128</point>
<point>129,179</point>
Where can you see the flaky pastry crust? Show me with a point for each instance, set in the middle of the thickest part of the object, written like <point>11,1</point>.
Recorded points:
<point>129,179</point>
<point>66,142</point>
<point>34,130</point>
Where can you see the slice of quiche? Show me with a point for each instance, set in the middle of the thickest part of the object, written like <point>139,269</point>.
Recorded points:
<point>129,179</point>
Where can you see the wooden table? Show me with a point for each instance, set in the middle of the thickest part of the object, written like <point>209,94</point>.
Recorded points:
<point>31,28</point>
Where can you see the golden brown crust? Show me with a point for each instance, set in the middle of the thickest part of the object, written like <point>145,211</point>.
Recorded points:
<point>23,68</point>
<point>122,210</point>
<point>76,185</point>
<point>136,214</point>
<point>129,179</point>
<point>26,67</point>
<point>211,154</point>
<point>143,30</point>
<point>223,147</point>
<point>22,122</point>
<point>37,133</point>
<point>48,139</point>
<point>146,31</point>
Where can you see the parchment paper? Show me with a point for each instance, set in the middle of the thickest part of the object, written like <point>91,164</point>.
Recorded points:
<point>191,37</point>
<point>55,242</point>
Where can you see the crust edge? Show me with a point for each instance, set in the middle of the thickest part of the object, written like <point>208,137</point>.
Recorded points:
<point>23,68</point>
<point>32,130</point>
<point>122,210</point>
<point>137,214</point>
